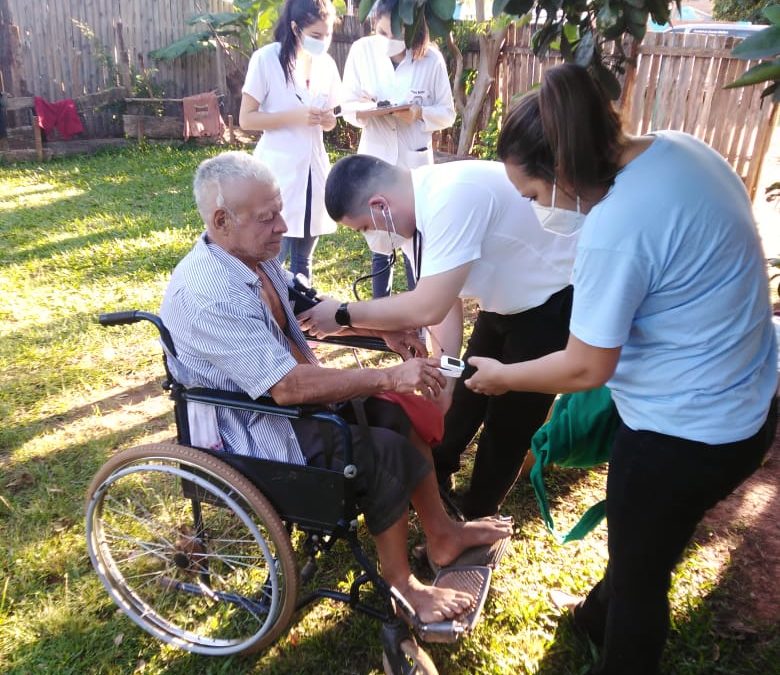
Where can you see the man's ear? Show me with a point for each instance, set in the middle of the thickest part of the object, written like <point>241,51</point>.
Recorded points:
<point>219,220</point>
<point>377,201</point>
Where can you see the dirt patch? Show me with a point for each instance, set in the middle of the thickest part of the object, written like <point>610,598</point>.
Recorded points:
<point>749,520</point>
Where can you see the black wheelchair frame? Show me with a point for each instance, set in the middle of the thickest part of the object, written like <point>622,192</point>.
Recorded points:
<point>322,505</point>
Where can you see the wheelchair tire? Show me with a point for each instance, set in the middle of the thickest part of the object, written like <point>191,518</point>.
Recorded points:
<point>228,586</point>
<point>417,660</point>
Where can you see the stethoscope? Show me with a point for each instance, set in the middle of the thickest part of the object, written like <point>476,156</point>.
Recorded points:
<point>416,252</point>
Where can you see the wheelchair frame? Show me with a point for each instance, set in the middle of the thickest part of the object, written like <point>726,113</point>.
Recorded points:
<point>323,505</point>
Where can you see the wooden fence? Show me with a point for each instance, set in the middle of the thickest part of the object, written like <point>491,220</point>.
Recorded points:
<point>676,83</point>
<point>68,48</point>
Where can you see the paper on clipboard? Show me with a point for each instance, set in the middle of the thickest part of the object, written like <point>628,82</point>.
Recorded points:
<point>383,110</point>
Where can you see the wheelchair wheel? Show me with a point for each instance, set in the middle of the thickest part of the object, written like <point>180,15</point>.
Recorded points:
<point>212,571</point>
<point>417,661</point>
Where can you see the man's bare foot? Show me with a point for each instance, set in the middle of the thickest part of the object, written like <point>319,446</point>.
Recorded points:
<point>434,604</point>
<point>443,549</point>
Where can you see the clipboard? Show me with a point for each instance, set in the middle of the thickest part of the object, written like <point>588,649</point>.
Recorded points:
<point>384,110</point>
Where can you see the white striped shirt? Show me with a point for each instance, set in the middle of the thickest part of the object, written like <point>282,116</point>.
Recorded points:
<point>227,338</point>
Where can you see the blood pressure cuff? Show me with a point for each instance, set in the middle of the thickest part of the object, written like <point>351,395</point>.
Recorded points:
<point>579,433</point>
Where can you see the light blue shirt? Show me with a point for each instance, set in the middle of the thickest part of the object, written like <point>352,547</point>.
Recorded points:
<point>670,268</point>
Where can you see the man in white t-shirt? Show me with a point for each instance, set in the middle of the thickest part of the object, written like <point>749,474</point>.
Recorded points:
<point>471,235</point>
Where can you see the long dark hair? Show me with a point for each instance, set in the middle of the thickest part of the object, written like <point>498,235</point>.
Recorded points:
<point>567,129</point>
<point>422,39</point>
<point>303,13</point>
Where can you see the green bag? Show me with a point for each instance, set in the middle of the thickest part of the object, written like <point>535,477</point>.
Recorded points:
<point>578,434</point>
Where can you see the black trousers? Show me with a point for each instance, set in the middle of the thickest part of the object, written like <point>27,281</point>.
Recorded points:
<point>658,489</point>
<point>389,467</point>
<point>509,420</point>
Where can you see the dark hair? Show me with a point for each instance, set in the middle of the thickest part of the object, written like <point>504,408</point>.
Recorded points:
<point>567,129</point>
<point>304,13</point>
<point>422,39</point>
<point>351,182</point>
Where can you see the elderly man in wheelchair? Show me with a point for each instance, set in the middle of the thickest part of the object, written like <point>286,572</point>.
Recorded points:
<point>245,385</point>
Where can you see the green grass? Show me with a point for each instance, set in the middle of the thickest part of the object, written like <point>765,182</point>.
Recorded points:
<point>86,235</point>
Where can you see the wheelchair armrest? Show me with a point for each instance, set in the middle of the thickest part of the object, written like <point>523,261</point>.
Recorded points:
<point>238,401</point>
<point>357,341</point>
<point>266,405</point>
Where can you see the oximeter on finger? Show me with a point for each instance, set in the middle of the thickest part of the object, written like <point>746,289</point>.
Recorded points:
<point>451,367</point>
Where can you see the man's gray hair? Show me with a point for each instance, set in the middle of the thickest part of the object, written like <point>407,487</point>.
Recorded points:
<point>214,172</point>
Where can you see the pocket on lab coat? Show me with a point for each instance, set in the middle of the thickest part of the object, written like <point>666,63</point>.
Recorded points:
<point>414,158</point>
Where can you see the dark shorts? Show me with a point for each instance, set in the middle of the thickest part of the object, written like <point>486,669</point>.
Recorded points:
<point>389,467</point>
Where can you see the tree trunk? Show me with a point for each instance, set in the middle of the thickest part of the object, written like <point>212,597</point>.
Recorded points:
<point>470,107</point>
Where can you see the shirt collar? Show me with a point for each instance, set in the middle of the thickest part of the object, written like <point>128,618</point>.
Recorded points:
<point>237,269</point>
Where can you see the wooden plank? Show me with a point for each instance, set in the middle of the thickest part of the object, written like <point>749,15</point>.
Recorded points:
<point>37,137</point>
<point>636,103</point>
<point>725,108</point>
<point>699,68</point>
<point>682,90</point>
<point>762,145</point>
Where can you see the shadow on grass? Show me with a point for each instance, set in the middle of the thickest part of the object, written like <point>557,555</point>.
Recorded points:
<point>14,437</point>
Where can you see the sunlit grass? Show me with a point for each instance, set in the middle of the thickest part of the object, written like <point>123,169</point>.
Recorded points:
<point>87,235</point>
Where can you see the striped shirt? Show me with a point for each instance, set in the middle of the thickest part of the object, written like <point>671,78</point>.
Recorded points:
<point>227,338</point>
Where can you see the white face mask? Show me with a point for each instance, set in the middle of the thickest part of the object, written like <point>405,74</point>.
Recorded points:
<point>562,222</point>
<point>382,240</point>
<point>390,46</point>
<point>313,46</point>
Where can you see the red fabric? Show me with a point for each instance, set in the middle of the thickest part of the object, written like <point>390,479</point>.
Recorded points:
<point>425,416</point>
<point>201,116</point>
<point>61,115</point>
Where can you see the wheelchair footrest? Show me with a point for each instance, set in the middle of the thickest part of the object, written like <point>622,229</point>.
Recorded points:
<point>473,579</point>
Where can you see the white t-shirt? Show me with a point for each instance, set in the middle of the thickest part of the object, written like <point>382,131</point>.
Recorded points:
<point>291,151</point>
<point>424,81</point>
<point>469,212</point>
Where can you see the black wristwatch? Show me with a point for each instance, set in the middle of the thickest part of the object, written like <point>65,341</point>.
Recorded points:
<point>342,315</point>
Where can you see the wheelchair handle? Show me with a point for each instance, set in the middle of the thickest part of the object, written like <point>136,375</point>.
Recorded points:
<point>119,318</point>
<point>134,316</point>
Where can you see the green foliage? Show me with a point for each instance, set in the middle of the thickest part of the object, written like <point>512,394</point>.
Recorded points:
<point>740,10</point>
<point>487,139</point>
<point>763,45</point>
<point>224,25</point>
<point>579,29</point>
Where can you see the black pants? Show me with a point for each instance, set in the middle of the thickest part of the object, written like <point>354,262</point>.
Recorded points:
<point>389,467</point>
<point>658,489</point>
<point>509,420</point>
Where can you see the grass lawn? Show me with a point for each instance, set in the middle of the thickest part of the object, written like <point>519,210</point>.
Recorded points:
<point>91,234</point>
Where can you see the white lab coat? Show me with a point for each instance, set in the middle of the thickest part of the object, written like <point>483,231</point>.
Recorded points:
<point>369,72</point>
<point>291,151</point>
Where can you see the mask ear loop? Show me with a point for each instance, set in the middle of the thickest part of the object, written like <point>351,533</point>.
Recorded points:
<point>390,262</point>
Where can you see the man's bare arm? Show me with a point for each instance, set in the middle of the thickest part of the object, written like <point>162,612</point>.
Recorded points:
<point>314,384</point>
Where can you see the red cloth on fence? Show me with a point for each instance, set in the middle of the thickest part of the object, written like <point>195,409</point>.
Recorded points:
<point>426,418</point>
<point>60,115</point>
<point>201,115</point>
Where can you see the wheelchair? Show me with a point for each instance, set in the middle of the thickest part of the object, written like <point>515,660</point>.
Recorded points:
<point>195,545</point>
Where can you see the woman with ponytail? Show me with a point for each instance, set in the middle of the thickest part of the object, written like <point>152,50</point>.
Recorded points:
<point>291,88</point>
<point>671,310</point>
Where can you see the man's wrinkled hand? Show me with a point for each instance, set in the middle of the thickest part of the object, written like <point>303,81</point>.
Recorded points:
<point>405,343</point>
<point>320,320</point>
<point>489,377</point>
<point>417,375</point>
